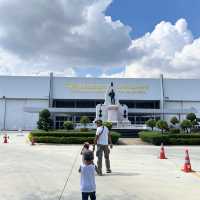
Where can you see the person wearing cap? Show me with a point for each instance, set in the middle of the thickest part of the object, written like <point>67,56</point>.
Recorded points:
<point>87,170</point>
<point>102,140</point>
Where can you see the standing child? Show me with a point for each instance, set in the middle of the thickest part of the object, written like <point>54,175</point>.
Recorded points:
<point>87,170</point>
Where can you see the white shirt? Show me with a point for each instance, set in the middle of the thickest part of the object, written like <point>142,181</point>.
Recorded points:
<point>103,138</point>
<point>88,178</point>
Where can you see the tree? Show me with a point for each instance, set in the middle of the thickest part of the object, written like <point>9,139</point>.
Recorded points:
<point>151,123</point>
<point>186,125</point>
<point>108,125</point>
<point>191,116</point>
<point>174,120</point>
<point>68,125</point>
<point>44,122</point>
<point>84,120</point>
<point>162,124</point>
<point>194,123</point>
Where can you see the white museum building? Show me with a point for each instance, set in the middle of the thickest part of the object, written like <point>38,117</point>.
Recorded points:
<point>69,98</point>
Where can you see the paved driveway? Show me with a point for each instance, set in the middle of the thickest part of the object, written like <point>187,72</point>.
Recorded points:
<point>39,172</point>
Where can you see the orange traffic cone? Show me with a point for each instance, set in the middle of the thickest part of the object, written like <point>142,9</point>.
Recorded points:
<point>5,138</point>
<point>32,141</point>
<point>187,166</point>
<point>162,152</point>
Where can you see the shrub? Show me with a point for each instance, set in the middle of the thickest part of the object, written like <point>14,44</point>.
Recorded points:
<point>151,123</point>
<point>84,129</point>
<point>184,141</point>
<point>162,124</point>
<point>195,130</point>
<point>69,137</point>
<point>153,137</point>
<point>115,136</point>
<point>84,120</point>
<point>171,139</point>
<point>63,140</point>
<point>68,125</point>
<point>194,123</point>
<point>45,114</point>
<point>174,130</point>
<point>184,135</point>
<point>60,134</point>
<point>191,117</point>
<point>44,122</point>
<point>108,125</point>
<point>174,120</point>
<point>186,125</point>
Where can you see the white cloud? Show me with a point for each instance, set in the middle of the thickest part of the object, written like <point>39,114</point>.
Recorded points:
<point>61,34</point>
<point>169,50</point>
<point>12,65</point>
<point>37,37</point>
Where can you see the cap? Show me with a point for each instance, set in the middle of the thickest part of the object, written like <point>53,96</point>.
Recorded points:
<point>99,121</point>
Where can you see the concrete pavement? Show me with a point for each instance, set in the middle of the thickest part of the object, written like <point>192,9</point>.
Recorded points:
<point>39,172</point>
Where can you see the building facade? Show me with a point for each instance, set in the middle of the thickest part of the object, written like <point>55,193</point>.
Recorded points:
<point>67,98</point>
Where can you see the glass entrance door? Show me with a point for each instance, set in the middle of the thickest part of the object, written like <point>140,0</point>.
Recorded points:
<point>59,121</point>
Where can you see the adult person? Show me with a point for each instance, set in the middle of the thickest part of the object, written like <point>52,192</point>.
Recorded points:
<point>102,140</point>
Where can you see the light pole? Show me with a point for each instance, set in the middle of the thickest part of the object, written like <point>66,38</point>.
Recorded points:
<point>4,117</point>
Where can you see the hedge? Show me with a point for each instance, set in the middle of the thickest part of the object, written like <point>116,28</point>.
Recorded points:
<point>67,137</point>
<point>63,140</point>
<point>170,139</point>
<point>153,137</point>
<point>54,134</point>
<point>174,130</point>
<point>189,136</point>
<point>184,141</point>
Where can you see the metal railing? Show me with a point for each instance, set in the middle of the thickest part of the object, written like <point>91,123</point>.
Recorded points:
<point>115,126</point>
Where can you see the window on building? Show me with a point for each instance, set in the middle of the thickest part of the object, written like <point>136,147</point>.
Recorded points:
<point>59,120</point>
<point>85,103</point>
<point>141,118</point>
<point>141,104</point>
<point>129,103</point>
<point>77,103</point>
<point>64,103</point>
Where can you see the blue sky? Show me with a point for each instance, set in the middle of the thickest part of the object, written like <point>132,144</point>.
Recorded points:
<point>143,15</point>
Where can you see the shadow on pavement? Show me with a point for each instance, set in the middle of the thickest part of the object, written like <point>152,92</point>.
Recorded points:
<point>77,196</point>
<point>122,174</point>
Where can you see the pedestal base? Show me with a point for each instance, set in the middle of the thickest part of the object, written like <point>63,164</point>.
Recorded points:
<point>117,114</point>
<point>113,113</point>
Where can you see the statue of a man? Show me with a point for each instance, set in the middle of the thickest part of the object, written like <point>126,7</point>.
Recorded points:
<point>112,96</point>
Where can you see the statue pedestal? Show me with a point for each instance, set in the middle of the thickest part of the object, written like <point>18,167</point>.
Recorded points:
<point>113,112</point>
